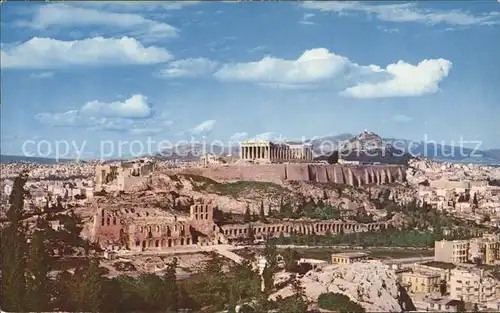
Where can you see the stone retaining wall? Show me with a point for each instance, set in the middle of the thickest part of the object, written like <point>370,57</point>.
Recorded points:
<point>354,175</point>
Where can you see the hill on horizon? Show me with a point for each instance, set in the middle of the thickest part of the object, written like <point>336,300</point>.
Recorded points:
<point>324,146</point>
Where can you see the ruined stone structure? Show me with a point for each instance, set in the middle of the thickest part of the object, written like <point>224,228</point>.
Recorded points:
<point>354,175</point>
<point>269,152</point>
<point>263,231</point>
<point>154,229</point>
<point>124,175</point>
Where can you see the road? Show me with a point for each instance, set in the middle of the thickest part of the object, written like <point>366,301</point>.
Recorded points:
<point>408,260</point>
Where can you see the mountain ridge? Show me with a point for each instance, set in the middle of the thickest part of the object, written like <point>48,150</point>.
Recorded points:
<point>322,146</point>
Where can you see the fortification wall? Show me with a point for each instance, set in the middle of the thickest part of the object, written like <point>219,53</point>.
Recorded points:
<point>354,175</point>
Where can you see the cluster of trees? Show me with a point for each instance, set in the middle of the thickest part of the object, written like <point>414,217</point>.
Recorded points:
<point>339,303</point>
<point>297,302</point>
<point>424,227</point>
<point>30,255</point>
<point>385,238</point>
<point>309,209</point>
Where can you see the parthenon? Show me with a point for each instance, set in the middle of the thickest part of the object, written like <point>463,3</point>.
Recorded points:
<point>267,151</point>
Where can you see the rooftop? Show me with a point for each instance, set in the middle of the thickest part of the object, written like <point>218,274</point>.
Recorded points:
<point>350,254</point>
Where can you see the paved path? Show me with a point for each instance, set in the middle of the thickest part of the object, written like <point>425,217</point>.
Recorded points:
<point>409,260</point>
<point>225,250</point>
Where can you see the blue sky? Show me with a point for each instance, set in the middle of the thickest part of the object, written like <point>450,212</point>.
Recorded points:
<point>95,71</point>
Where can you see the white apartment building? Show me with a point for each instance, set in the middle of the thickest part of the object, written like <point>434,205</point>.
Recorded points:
<point>472,286</point>
<point>486,249</point>
<point>455,251</point>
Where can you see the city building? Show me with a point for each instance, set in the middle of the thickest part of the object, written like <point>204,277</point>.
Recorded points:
<point>472,285</point>
<point>348,257</point>
<point>420,282</point>
<point>484,250</point>
<point>454,251</point>
<point>442,305</point>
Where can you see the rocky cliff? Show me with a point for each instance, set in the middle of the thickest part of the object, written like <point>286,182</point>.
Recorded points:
<point>372,285</point>
<point>354,175</point>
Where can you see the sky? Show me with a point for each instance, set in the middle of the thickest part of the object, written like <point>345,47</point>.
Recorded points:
<point>92,74</point>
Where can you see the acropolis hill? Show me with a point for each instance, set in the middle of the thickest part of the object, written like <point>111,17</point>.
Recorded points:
<point>353,175</point>
<point>262,160</point>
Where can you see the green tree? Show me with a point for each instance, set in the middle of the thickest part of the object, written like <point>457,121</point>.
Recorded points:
<point>251,234</point>
<point>297,302</point>
<point>297,288</point>
<point>170,286</point>
<point>232,299</point>
<point>254,218</point>
<point>13,249</point>
<point>290,258</point>
<point>338,302</point>
<point>268,277</point>
<point>37,281</point>
<point>262,215</point>
<point>88,292</point>
<point>271,255</point>
<point>214,265</point>
<point>247,218</point>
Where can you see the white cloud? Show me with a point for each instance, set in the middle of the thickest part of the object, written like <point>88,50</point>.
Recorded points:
<point>401,118</point>
<point>204,127</point>
<point>133,116</point>
<point>146,131</point>
<point>134,107</point>
<point>42,75</point>
<point>407,80</point>
<point>238,137</point>
<point>312,66</point>
<point>406,12</point>
<point>320,66</point>
<point>52,53</point>
<point>388,30</point>
<point>135,6</point>
<point>68,118</point>
<point>271,136</point>
<point>64,15</point>
<point>188,68</point>
<point>306,19</point>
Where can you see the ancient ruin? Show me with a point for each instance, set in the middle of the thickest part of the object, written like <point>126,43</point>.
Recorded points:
<point>123,175</point>
<point>148,229</point>
<point>353,175</point>
<point>154,229</point>
<point>265,151</point>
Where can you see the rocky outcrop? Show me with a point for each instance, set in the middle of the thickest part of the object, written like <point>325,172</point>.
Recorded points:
<point>354,175</point>
<point>373,285</point>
